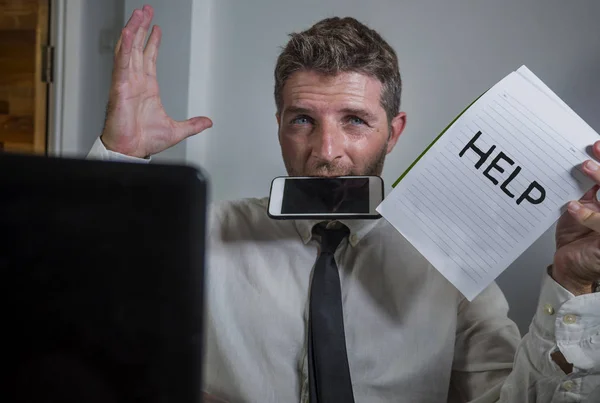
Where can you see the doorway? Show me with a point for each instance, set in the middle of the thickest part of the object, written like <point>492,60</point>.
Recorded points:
<point>25,74</point>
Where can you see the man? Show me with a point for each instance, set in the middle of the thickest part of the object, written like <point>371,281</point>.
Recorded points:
<point>409,335</point>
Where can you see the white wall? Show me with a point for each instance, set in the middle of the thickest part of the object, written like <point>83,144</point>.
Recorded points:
<point>450,52</point>
<point>87,71</point>
<point>201,72</point>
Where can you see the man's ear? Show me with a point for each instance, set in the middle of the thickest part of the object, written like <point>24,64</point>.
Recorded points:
<point>278,117</point>
<point>396,128</point>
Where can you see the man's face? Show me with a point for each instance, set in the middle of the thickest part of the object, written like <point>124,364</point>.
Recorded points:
<point>335,125</point>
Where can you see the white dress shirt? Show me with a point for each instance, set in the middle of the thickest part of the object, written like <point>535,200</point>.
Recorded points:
<point>411,336</point>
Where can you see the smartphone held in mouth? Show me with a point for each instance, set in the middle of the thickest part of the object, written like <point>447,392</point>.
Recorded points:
<point>341,197</point>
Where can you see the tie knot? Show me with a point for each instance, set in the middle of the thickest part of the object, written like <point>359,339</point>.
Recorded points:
<point>331,237</point>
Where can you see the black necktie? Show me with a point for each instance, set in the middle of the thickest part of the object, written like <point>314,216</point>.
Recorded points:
<point>328,372</point>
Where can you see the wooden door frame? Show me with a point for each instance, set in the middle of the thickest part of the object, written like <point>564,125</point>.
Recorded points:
<point>41,88</point>
<point>64,100</point>
<point>60,23</point>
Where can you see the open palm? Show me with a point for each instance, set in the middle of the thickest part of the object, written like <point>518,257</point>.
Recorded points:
<point>136,122</point>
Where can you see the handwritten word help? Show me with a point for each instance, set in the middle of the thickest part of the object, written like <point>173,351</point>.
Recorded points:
<point>534,193</point>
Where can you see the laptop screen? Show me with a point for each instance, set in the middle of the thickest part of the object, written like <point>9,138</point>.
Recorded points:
<point>103,263</point>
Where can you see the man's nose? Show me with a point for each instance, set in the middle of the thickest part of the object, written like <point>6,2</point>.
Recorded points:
<point>328,142</point>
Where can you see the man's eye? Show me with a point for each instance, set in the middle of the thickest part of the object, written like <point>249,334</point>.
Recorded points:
<point>354,120</point>
<point>301,120</point>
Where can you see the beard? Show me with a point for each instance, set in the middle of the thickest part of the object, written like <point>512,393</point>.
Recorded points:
<point>374,167</point>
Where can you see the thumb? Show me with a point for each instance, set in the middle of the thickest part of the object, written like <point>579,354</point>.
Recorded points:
<point>187,128</point>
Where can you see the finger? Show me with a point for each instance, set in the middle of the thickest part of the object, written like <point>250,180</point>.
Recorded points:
<point>596,148</point>
<point>187,128</point>
<point>590,195</point>
<point>118,46</point>
<point>132,26</point>
<point>585,216</point>
<point>137,56</point>
<point>592,169</point>
<point>125,45</point>
<point>151,51</point>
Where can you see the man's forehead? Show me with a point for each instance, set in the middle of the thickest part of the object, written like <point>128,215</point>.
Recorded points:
<point>306,89</point>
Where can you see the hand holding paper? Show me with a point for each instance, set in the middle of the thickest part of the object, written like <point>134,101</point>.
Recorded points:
<point>496,179</point>
<point>577,259</point>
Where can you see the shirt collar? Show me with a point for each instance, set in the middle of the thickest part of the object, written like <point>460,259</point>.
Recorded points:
<point>358,229</point>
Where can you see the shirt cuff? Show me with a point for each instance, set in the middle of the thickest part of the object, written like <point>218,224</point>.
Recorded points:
<point>572,322</point>
<point>100,152</point>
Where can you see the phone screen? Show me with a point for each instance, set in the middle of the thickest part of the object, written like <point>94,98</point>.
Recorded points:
<point>324,195</point>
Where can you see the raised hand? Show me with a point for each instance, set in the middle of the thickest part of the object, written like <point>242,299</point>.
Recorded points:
<point>136,122</point>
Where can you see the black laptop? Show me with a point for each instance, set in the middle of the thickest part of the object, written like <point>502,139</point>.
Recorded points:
<point>102,277</point>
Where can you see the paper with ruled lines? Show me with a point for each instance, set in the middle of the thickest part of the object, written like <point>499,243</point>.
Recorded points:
<point>493,183</point>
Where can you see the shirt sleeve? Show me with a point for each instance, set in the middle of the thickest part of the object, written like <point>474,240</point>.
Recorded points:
<point>485,346</point>
<point>562,323</point>
<point>99,152</point>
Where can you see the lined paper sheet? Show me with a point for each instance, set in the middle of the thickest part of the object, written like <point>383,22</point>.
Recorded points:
<point>498,178</point>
